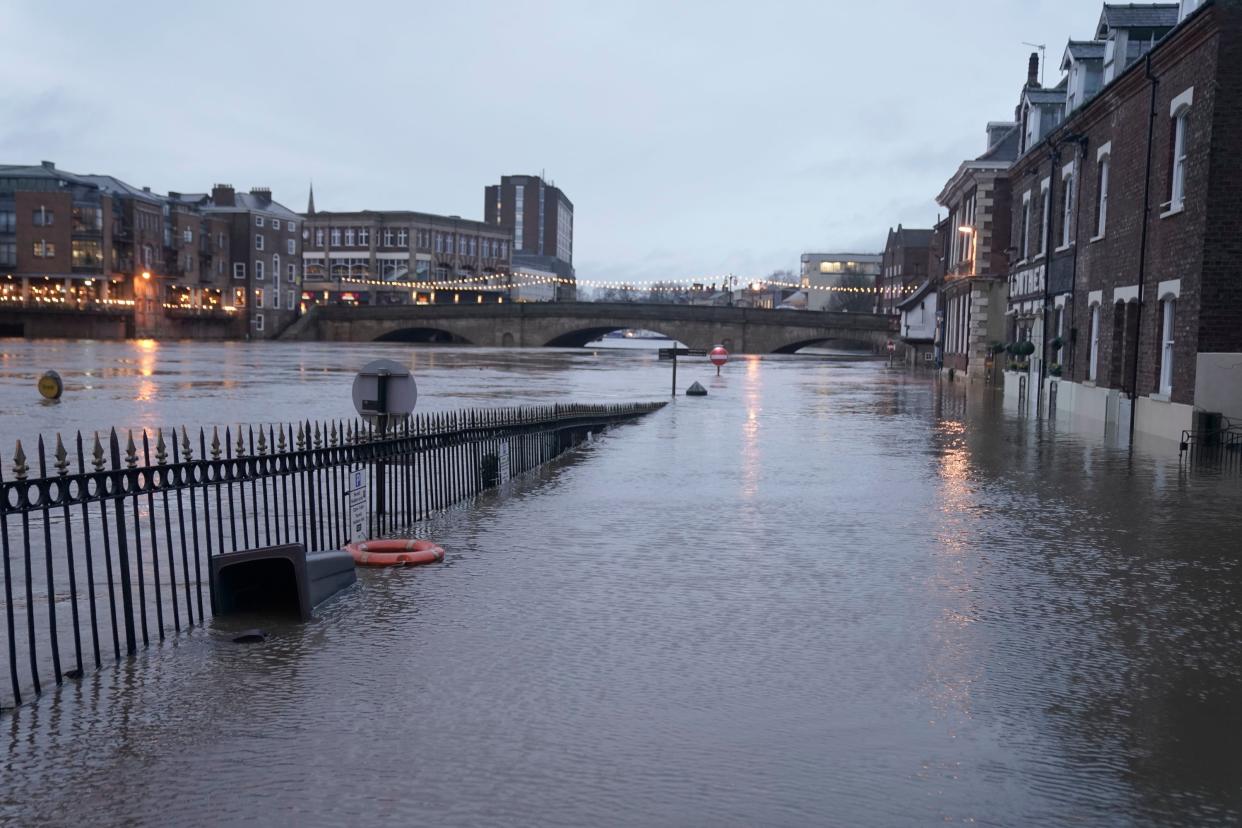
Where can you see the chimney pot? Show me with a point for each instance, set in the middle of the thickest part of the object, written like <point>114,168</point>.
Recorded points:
<point>48,165</point>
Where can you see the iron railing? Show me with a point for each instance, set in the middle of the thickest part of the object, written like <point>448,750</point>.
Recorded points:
<point>106,541</point>
<point>1214,443</point>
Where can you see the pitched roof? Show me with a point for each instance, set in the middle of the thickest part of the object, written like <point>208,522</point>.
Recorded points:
<point>1137,16</point>
<point>242,202</point>
<point>912,237</point>
<point>1006,149</point>
<point>1084,50</point>
<point>916,297</point>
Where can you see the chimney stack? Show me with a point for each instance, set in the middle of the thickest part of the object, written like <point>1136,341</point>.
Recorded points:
<point>1032,71</point>
<point>222,195</point>
<point>48,165</point>
<point>263,194</point>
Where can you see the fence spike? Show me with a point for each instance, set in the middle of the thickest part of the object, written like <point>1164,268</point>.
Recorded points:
<point>262,444</point>
<point>186,448</point>
<point>318,442</point>
<point>19,462</point>
<point>281,445</point>
<point>332,435</point>
<point>131,451</point>
<point>62,457</point>
<point>97,455</point>
<point>301,441</point>
<point>215,442</point>
<point>240,448</point>
<point>161,448</point>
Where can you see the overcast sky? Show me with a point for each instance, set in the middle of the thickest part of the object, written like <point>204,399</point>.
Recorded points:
<point>694,138</point>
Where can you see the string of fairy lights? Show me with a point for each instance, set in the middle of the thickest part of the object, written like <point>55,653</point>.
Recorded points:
<point>523,279</point>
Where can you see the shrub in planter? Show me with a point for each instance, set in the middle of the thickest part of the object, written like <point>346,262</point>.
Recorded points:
<point>1054,370</point>
<point>1057,344</point>
<point>1025,348</point>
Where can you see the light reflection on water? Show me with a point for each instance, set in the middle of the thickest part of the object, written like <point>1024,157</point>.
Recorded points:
<point>827,593</point>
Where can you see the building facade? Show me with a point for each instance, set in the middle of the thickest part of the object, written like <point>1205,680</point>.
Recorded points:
<point>841,281</point>
<point>904,267</point>
<point>539,218</point>
<point>974,262</point>
<point>404,257</point>
<point>143,264</point>
<point>1126,281</point>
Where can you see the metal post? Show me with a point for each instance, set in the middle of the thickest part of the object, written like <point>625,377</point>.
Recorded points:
<point>674,393</point>
<point>382,422</point>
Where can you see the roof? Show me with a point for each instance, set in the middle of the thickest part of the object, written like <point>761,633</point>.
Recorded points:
<point>326,217</point>
<point>911,237</point>
<point>1137,16</point>
<point>1044,96</point>
<point>115,186</point>
<point>1005,149</point>
<point>1082,50</point>
<point>242,202</point>
<point>916,297</point>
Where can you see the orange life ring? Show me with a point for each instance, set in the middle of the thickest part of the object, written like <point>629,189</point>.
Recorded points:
<point>396,552</point>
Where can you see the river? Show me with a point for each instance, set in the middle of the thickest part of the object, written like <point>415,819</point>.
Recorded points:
<point>827,593</point>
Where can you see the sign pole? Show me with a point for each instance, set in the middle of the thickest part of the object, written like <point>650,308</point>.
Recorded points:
<point>382,421</point>
<point>674,372</point>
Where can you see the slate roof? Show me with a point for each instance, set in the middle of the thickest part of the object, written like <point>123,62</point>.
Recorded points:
<point>1137,16</point>
<point>1006,149</point>
<point>243,202</point>
<point>913,237</point>
<point>916,297</point>
<point>1086,49</point>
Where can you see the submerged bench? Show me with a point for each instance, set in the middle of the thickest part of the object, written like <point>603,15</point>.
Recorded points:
<point>279,578</point>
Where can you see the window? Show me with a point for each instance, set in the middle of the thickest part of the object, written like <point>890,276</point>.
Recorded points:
<point>147,255</point>
<point>258,242</point>
<point>239,270</point>
<point>276,298</point>
<point>1046,215</point>
<point>1025,232</point>
<point>290,246</point>
<point>220,240</point>
<point>1169,312</point>
<point>448,243</point>
<point>258,317</point>
<point>364,236</point>
<point>1094,357</point>
<point>86,219</point>
<point>276,267</point>
<point>518,216</point>
<point>43,217</point>
<point>8,221</point>
<point>1101,205</point>
<point>289,299</point>
<point>291,272</point>
<point>258,221</point>
<point>439,243</point>
<point>88,254</point>
<point>258,268</point>
<point>8,254</point>
<point>403,238</point>
<point>44,249</point>
<point>187,236</point>
<point>1177,189</point>
<point>258,297</point>
<point>387,238</point>
<point>293,228</point>
<point>275,224</point>
<point>336,237</point>
<point>349,237</point>
<point>318,237</point>
<point>1067,209</point>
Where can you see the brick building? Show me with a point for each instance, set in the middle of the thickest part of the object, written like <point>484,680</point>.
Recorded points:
<point>840,281</point>
<point>540,219</point>
<point>99,246</point>
<point>903,268</point>
<point>263,278</point>
<point>1129,233</point>
<point>404,257</point>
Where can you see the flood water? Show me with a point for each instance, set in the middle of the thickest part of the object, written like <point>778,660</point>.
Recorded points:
<point>826,594</point>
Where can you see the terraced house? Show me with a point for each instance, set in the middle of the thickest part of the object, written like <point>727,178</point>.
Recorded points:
<point>1127,223</point>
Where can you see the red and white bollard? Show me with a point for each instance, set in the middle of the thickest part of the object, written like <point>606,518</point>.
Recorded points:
<point>719,356</point>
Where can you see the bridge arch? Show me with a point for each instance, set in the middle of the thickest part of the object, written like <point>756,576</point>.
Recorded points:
<point>426,336</point>
<point>580,337</point>
<point>843,342</point>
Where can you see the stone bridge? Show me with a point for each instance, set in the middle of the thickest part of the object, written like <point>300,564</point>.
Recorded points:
<point>574,324</point>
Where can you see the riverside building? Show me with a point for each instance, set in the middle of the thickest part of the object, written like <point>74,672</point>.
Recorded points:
<point>539,219</point>
<point>1125,274</point>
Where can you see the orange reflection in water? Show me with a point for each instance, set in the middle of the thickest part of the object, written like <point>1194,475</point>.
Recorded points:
<point>750,429</point>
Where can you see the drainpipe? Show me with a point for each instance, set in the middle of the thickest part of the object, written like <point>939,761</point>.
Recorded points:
<point>1079,174</point>
<point>1142,266</point>
<point>1045,229</point>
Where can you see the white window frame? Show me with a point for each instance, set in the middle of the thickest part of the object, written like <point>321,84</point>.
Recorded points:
<point>187,236</point>
<point>258,297</point>
<point>1067,206</point>
<point>1168,316</point>
<point>349,237</point>
<point>1179,111</point>
<point>318,237</point>
<point>258,221</point>
<point>335,235</point>
<point>291,246</point>
<point>403,238</point>
<point>258,321</point>
<point>1045,189</point>
<point>1104,166</point>
<point>276,298</point>
<point>290,300</point>
<point>258,269</point>
<point>275,224</point>
<point>364,236</point>
<point>1094,356</point>
<point>1025,235</point>
<point>239,270</point>
<point>291,271</point>
<point>275,267</point>
<point>258,242</point>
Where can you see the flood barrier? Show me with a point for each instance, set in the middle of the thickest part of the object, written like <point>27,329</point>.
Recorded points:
<point>108,542</point>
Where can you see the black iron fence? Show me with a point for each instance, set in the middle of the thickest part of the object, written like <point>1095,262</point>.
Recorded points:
<point>1215,442</point>
<point>106,541</point>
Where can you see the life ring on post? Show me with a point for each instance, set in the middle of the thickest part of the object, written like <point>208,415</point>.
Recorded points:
<point>396,552</point>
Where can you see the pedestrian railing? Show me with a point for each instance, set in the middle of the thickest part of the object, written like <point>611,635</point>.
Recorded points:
<point>106,541</point>
<point>1217,444</point>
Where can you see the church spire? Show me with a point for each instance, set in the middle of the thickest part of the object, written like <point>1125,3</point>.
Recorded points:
<point>310,202</point>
